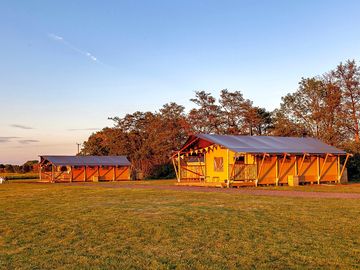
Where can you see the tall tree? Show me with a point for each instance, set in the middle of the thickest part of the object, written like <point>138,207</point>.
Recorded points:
<point>207,118</point>
<point>347,77</point>
<point>312,110</point>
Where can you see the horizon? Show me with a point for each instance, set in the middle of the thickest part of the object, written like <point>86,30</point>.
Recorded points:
<point>62,79</point>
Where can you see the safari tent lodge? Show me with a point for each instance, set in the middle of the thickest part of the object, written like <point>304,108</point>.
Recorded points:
<point>84,168</point>
<point>224,160</point>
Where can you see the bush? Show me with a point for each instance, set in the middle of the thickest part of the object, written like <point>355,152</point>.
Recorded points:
<point>19,176</point>
<point>353,167</point>
<point>165,171</point>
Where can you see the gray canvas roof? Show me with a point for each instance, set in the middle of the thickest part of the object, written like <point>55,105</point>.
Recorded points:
<point>88,160</point>
<point>271,144</point>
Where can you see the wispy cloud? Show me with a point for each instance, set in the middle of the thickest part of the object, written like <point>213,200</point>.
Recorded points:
<point>85,53</point>
<point>7,139</point>
<point>80,129</point>
<point>20,126</point>
<point>28,141</point>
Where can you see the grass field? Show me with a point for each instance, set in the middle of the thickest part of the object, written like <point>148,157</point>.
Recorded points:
<point>45,226</point>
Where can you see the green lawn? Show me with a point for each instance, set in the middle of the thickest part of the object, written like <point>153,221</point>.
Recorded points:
<point>47,226</point>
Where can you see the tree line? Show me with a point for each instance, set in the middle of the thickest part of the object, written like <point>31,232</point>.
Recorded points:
<point>28,166</point>
<point>326,107</point>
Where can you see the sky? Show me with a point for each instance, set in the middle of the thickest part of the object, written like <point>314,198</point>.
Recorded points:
<point>66,66</point>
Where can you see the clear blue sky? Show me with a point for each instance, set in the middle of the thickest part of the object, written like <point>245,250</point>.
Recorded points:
<point>65,66</point>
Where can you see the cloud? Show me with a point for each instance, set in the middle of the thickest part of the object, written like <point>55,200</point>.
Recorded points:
<point>27,141</point>
<point>72,47</point>
<point>7,139</point>
<point>20,126</point>
<point>80,129</point>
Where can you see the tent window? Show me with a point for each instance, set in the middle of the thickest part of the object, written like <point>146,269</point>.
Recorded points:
<point>240,160</point>
<point>218,164</point>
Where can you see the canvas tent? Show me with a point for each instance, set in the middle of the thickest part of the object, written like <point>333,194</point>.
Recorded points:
<point>84,168</point>
<point>257,160</point>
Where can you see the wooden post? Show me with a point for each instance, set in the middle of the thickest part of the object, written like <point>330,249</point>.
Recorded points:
<point>114,171</point>
<point>84,173</point>
<point>52,173</point>
<point>338,168</point>
<point>232,173</point>
<point>71,174</point>
<point>98,173</point>
<point>175,168</point>
<point>40,171</point>
<point>277,171</point>
<point>179,167</point>
<point>296,167</point>
<point>318,169</point>
<point>227,167</point>
<point>205,174</point>
<point>343,168</point>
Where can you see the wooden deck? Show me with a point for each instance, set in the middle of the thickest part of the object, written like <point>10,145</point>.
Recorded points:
<point>235,184</point>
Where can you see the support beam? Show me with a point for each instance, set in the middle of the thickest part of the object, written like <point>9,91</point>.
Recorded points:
<point>190,143</point>
<point>282,165</point>
<point>205,171</point>
<point>277,171</point>
<point>302,162</point>
<point>114,173</point>
<point>179,167</point>
<point>84,173</point>
<point>227,167</point>
<point>52,173</point>
<point>71,174</point>
<point>40,169</point>
<point>232,174</point>
<point>261,166</point>
<point>338,168</point>
<point>344,166</point>
<point>186,169</point>
<point>296,167</point>
<point>318,169</point>
<point>201,166</point>
<point>323,166</point>
<point>175,168</point>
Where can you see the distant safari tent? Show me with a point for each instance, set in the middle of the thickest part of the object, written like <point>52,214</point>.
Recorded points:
<point>226,160</point>
<point>84,168</point>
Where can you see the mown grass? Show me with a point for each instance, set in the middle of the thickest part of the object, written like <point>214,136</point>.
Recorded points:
<point>345,188</point>
<point>71,227</point>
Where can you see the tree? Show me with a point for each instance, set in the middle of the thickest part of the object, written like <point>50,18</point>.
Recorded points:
<point>313,110</point>
<point>207,118</point>
<point>347,78</point>
<point>146,138</point>
<point>9,168</point>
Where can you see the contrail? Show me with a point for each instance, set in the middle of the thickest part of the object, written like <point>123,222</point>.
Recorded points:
<point>72,47</point>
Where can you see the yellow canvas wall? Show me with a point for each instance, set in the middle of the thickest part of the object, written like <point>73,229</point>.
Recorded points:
<point>218,176</point>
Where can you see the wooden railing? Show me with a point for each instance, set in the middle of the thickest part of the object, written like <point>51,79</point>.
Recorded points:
<point>192,172</point>
<point>243,172</point>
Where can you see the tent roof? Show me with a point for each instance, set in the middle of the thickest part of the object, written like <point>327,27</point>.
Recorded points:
<point>270,144</point>
<point>88,160</point>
